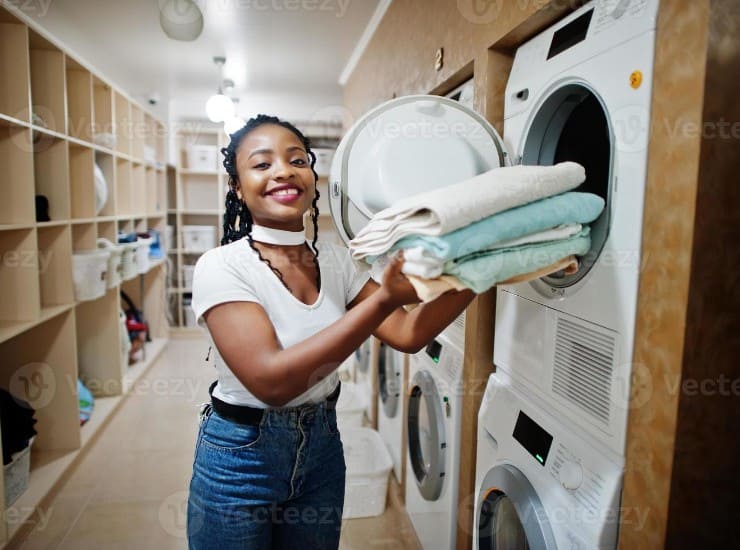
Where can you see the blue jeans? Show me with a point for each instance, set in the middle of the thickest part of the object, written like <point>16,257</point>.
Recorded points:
<point>276,485</point>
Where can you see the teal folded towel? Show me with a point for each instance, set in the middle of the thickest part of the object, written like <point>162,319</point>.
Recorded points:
<point>481,270</point>
<point>567,208</point>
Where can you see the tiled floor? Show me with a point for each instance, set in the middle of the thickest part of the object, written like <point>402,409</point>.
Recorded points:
<point>130,490</point>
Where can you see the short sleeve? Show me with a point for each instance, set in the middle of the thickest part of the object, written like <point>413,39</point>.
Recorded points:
<point>355,273</point>
<point>216,281</point>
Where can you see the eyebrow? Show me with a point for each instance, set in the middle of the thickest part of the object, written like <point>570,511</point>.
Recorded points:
<point>289,149</point>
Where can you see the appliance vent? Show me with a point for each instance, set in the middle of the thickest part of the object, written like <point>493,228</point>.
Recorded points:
<point>460,323</point>
<point>583,366</point>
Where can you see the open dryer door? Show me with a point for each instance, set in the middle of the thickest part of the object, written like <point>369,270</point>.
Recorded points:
<point>404,147</point>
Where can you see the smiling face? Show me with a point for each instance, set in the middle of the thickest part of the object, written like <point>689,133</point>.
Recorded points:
<point>275,177</point>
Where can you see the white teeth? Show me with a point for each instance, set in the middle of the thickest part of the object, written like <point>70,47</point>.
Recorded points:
<point>286,192</point>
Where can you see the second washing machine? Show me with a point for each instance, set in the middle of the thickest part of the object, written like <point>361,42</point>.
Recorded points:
<point>391,374</point>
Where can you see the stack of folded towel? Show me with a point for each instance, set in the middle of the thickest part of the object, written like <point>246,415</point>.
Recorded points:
<point>507,225</point>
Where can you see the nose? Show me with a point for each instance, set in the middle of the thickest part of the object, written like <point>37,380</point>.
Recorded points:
<point>283,169</point>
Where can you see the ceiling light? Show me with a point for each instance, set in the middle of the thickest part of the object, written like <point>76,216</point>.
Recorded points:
<point>219,107</point>
<point>180,19</point>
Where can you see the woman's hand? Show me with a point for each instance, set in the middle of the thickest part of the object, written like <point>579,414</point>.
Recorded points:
<point>397,289</point>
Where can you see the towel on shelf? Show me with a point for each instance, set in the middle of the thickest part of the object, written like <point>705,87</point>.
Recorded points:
<point>567,208</point>
<point>430,289</point>
<point>446,209</point>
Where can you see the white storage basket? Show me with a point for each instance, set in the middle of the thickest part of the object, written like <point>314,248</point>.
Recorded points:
<point>169,233</point>
<point>187,276</point>
<point>350,406</point>
<point>16,474</point>
<point>142,253</point>
<point>202,157</point>
<point>187,313</point>
<point>90,273</point>
<point>115,270</point>
<point>129,264</point>
<point>198,238</point>
<point>368,466</point>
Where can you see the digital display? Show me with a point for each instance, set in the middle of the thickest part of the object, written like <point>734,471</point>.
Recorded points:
<point>532,437</point>
<point>570,35</point>
<point>434,350</point>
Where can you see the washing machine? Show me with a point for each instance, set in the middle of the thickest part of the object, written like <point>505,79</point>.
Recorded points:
<point>364,374</point>
<point>581,91</point>
<point>433,417</point>
<point>391,372</point>
<point>540,484</point>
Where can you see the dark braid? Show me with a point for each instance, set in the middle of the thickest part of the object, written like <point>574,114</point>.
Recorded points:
<point>238,208</point>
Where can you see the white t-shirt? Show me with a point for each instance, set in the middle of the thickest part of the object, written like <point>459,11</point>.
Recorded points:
<point>234,273</point>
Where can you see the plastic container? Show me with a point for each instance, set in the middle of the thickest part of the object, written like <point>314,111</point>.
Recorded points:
<point>351,406</point>
<point>187,276</point>
<point>368,466</point>
<point>202,157</point>
<point>129,263</point>
<point>198,238</point>
<point>115,271</point>
<point>90,274</point>
<point>16,473</point>
<point>169,233</point>
<point>142,253</point>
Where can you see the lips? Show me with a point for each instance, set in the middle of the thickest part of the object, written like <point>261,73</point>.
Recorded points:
<point>284,191</point>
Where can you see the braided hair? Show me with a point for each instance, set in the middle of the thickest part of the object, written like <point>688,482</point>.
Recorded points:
<point>236,208</point>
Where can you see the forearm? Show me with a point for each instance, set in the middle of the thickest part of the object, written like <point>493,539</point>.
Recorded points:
<point>426,321</point>
<point>297,368</point>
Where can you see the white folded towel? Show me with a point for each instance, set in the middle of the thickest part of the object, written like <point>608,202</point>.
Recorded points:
<point>448,208</point>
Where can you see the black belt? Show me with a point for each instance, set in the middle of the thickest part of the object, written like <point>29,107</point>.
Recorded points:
<point>252,416</point>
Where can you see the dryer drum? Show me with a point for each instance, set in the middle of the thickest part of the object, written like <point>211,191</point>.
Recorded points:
<point>572,124</point>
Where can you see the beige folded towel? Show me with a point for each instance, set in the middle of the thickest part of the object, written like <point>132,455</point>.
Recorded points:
<point>430,289</point>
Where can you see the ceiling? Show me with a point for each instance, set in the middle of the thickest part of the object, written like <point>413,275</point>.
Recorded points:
<point>291,50</point>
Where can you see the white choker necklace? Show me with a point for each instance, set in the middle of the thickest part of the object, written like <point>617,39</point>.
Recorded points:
<point>268,235</point>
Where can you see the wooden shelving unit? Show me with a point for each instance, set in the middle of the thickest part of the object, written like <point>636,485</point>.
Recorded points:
<point>53,110</point>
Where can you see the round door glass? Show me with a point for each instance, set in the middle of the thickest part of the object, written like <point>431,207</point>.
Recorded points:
<point>572,125</point>
<point>427,441</point>
<point>499,526</point>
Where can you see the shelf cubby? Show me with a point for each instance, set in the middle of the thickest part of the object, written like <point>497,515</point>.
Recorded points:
<point>139,132</point>
<point>154,299</point>
<point>81,181</point>
<point>19,277</point>
<point>125,226</point>
<point>199,192</point>
<point>107,165</point>
<point>98,344</point>
<point>84,236</point>
<point>55,265</point>
<point>45,376</point>
<point>16,160</point>
<point>138,189</point>
<point>79,101</point>
<point>107,230</point>
<point>47,84</point>
<point>152,206</point>
<point>122,109</point>
<point>161,141</point>
<point>123,187</point>
<point>161,193</point>
<point>15,93</point>
<point>102,107</point>
<point>140,225</point>
<point>51,175</point>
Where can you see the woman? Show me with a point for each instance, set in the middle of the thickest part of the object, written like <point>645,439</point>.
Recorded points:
<point>269,467</point>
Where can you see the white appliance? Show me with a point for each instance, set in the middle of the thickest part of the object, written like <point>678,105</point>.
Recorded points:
<point>581,91</point>
<point>433,442</point>
<point>391,370</point>
<point>364,374</point>
<point>539,484</point>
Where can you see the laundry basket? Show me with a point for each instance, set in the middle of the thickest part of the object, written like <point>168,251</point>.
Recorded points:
<point>90,273</point>
<point>368,467</point>
<point>16,474</point>
<point>202,157</point>
<point>198,238</point>
<point>350,406</point>
<point>142,253</point>
<point>115,270</point>
<point>187,276</point>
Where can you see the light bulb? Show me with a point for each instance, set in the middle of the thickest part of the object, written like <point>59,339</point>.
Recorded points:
<point>219,108</point>
<point>233,124</point>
